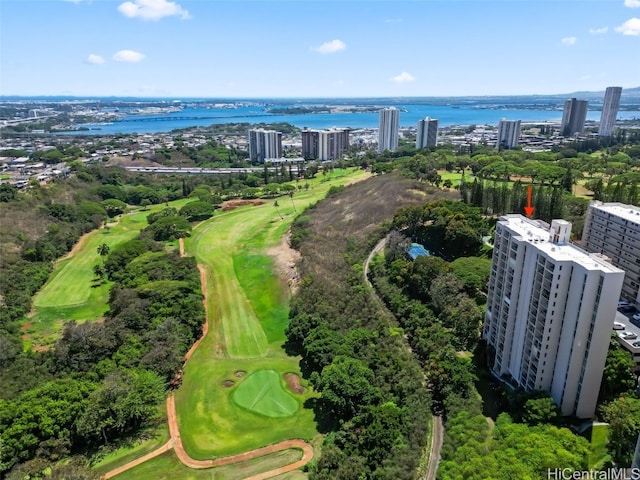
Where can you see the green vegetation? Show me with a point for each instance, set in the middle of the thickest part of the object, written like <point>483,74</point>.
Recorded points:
<point>73,292</point>
<point>168,467</point>
<point>247,317</point>
<point>262,392</point>
<point>374,402</point>
<point>598,457</point>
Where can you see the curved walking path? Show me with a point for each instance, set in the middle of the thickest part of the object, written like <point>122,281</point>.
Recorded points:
<point>437,430</point>
<point>175,441</point>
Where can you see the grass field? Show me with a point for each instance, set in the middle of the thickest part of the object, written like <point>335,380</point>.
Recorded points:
<point>262,392</point>
<point>597,436</point>
<point>248,313</point>
<point>155,437</point>
<point>168,467</point>
<point>71,293</point>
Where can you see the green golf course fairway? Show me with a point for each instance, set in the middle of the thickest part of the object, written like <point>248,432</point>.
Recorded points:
<point>168,467</point>
<point>262,392</point>
<point>247,313</point>
<point>71,293</point>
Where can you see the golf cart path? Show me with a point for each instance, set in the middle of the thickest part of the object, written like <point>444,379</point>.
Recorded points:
<point>175,441</point>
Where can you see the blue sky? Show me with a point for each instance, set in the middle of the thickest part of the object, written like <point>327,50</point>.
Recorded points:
<point>310,48</point>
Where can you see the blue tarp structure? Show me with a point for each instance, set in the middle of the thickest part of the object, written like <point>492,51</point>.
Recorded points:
<point>416,250</point>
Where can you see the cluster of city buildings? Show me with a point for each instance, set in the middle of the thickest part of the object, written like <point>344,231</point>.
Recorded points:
<point>331,144</point>
<point>552,305</point>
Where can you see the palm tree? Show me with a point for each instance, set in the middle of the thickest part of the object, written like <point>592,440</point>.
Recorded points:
<point>103,250</point>
<point>291,197</point>
<point>275,204</point>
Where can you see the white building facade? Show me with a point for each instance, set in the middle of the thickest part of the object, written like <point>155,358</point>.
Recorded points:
<point>508,134</point>
<point>610,107</point>
<point>550,311</point>
<point>613,229</point>
<point>388,129</point>
<point>264,144</point>
<point>427,133</point>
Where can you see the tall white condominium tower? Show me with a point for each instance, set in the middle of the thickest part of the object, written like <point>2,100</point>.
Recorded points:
<point>427,134</point>
<point>613,229</point>
<point>508,133</point>
<point>573,117</point>
<point>264,144</point>
<point>550,311</point>
<point>609,111</point>
<point>388,129</point>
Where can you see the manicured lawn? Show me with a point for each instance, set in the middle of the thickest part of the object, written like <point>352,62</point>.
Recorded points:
<point>154,438</point>
<point>71,292</point>
<point>262,392</point>
<point>248,313</point>
<point>168,467</point>
<point>599,456</point>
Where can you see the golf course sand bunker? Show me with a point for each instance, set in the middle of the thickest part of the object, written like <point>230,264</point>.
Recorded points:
<point>293,381</point>
<point>240,373</point>
<point>261,392</point>
<point>228,383</point>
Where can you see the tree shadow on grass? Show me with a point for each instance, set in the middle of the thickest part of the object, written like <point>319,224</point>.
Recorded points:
<point>324,418</point>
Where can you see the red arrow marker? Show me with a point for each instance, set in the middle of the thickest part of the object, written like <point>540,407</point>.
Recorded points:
<point>529,209</point>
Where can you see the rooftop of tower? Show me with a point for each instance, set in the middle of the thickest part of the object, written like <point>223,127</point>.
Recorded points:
<point>538,233</point>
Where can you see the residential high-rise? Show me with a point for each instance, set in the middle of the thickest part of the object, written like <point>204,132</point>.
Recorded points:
<point>573,117</point>
<point>508,133</point>
<point>427,134</point>
<point>264,144</point>
<point>613,229</point>
<point>325,144</point>
<point>310,140</point>
<point>550,312</point>
<point>388,129</point>
<point>609,111</point>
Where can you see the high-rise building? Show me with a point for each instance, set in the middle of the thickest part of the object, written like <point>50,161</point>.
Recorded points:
<point>325,144</point>
<point>264,144</point>
<point>427,134</point>
<point>388,129</point>
<point>508,133</point>
<point>550,312</point>
<point>609,111</point>
<point>573,117</point>
<point>613,229</point>
<point>635,463</point>
<point>310,140</point>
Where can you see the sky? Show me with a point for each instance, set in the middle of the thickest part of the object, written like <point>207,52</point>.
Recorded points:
<point>317,48</point>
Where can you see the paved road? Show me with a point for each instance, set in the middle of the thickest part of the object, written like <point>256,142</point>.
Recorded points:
<point>437,428</point>
<point>379,246</point>
<point>436,445</point>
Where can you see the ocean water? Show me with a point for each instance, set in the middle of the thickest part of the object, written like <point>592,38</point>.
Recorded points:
<point>463,114</point>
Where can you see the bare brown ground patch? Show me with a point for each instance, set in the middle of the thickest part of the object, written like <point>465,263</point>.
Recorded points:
<point>293,381</point>
<point>231,204</point>
<point>285,259</point>
<point>240,373</point>
<point>228,383</point>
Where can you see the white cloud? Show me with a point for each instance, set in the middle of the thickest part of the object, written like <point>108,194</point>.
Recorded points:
<point>333,46</point>
<point>569,41</point>
<point>129,56</point>
<point>152,9</point>
<point>630,27</point>
<point>598,31</point>
<point>632,3</point>
<point>404,77</point>
<point>95,59</point>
